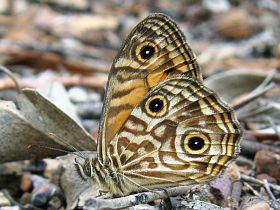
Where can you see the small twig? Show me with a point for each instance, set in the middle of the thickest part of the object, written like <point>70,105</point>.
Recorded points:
<point>253,96</point>
<point>249,148</point>
<point>259,182</point>
<point>259,135</point>
<point>267,188</point>
<point>265,82</point>
<point>131,200</point>
<point>199,205</point>
<point>241,160</point>
<point>12,77</point>
<point>69,81</point>
<point>253,113</point>
<point>252,189</point>
<point>236,193</point>
<point>273,126</point>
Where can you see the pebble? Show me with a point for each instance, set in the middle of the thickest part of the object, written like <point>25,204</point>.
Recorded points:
<point>42,194</point>
<point>78,94</point>
<point>4,201</point>
<point>270,179</point>
<point>90,124</point>
<point>268,162</point>
<point>26,182</point>
<point>235,24</point>
<point>90,110</point>
<point>220,188</point>
<point>259,206</point>
<point>254,203</point>
<point>36,166</point>
<point>216,5</point>
<point>51,168</point>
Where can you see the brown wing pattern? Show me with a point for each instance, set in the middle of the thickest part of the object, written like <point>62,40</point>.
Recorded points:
<point>180,133</point>
<point>154,51</point>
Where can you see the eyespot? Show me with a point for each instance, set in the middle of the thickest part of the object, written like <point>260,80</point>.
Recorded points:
<point>156,106</point>
<point>196,143</point>
<point>147,51</point>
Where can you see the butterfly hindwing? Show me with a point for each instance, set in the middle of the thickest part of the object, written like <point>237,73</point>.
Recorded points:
<point>155,50</point>
<point>180,133</point>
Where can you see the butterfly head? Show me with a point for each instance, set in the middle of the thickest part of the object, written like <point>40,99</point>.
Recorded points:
<point>87,168</point>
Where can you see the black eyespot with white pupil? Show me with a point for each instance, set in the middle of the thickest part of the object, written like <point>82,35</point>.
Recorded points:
<point>147,52</point>
<point>196,143</point>
<point>156,105</point>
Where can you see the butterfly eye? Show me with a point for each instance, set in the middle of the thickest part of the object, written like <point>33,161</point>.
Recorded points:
<point>196,143</point>
<point>87,169</point>
<point>147,52</point>
<point>156,106</point>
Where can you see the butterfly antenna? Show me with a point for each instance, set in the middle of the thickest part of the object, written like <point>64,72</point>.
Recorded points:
<point>50,148</point>
<point>68,145</point>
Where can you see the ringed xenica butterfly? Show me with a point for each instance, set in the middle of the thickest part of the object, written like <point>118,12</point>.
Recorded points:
<point>161,126</point>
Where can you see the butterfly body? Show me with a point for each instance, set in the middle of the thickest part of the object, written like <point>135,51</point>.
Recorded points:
<point>161,126</point>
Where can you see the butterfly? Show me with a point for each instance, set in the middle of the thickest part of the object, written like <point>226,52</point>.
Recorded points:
<point>160,125</point>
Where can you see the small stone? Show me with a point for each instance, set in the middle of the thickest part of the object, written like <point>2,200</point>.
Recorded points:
<point>220,188</point>
<point>38,180</point>
<point>89,125</point>
<point>267,177</point>
<point>25,198</point>
<point>51,168</point>
<point>26,182</point>
<point>216,5</point>
<point>94,96</point>
<point>4,201</point>
<point>236,24</point>
<point>90,110</point>
<point>233,172</point>
<point>268,163</point>
<point>78,94</point>
<point>36,166</point>
<point>42,194</point>
<point>259,206</point>
<point>254,203</point>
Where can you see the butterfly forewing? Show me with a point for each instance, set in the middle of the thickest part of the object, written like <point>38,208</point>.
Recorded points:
<point>154,51</point>
<point>180,133</point>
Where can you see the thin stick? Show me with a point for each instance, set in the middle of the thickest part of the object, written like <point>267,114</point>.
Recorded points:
<point>267,188</point>
<point>273,125</point>
<point>253,96</point>
<point>140,198</point>
<point>256,181</point>
<point>252,189</point>
<point>12,77</point>
<point>258,111</point>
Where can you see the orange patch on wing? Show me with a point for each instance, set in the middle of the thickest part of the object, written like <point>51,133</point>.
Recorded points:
<point>154,78</point>
<point>115,122</point>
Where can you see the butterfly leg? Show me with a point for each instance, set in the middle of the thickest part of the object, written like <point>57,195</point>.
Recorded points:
<point>104,194</point>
